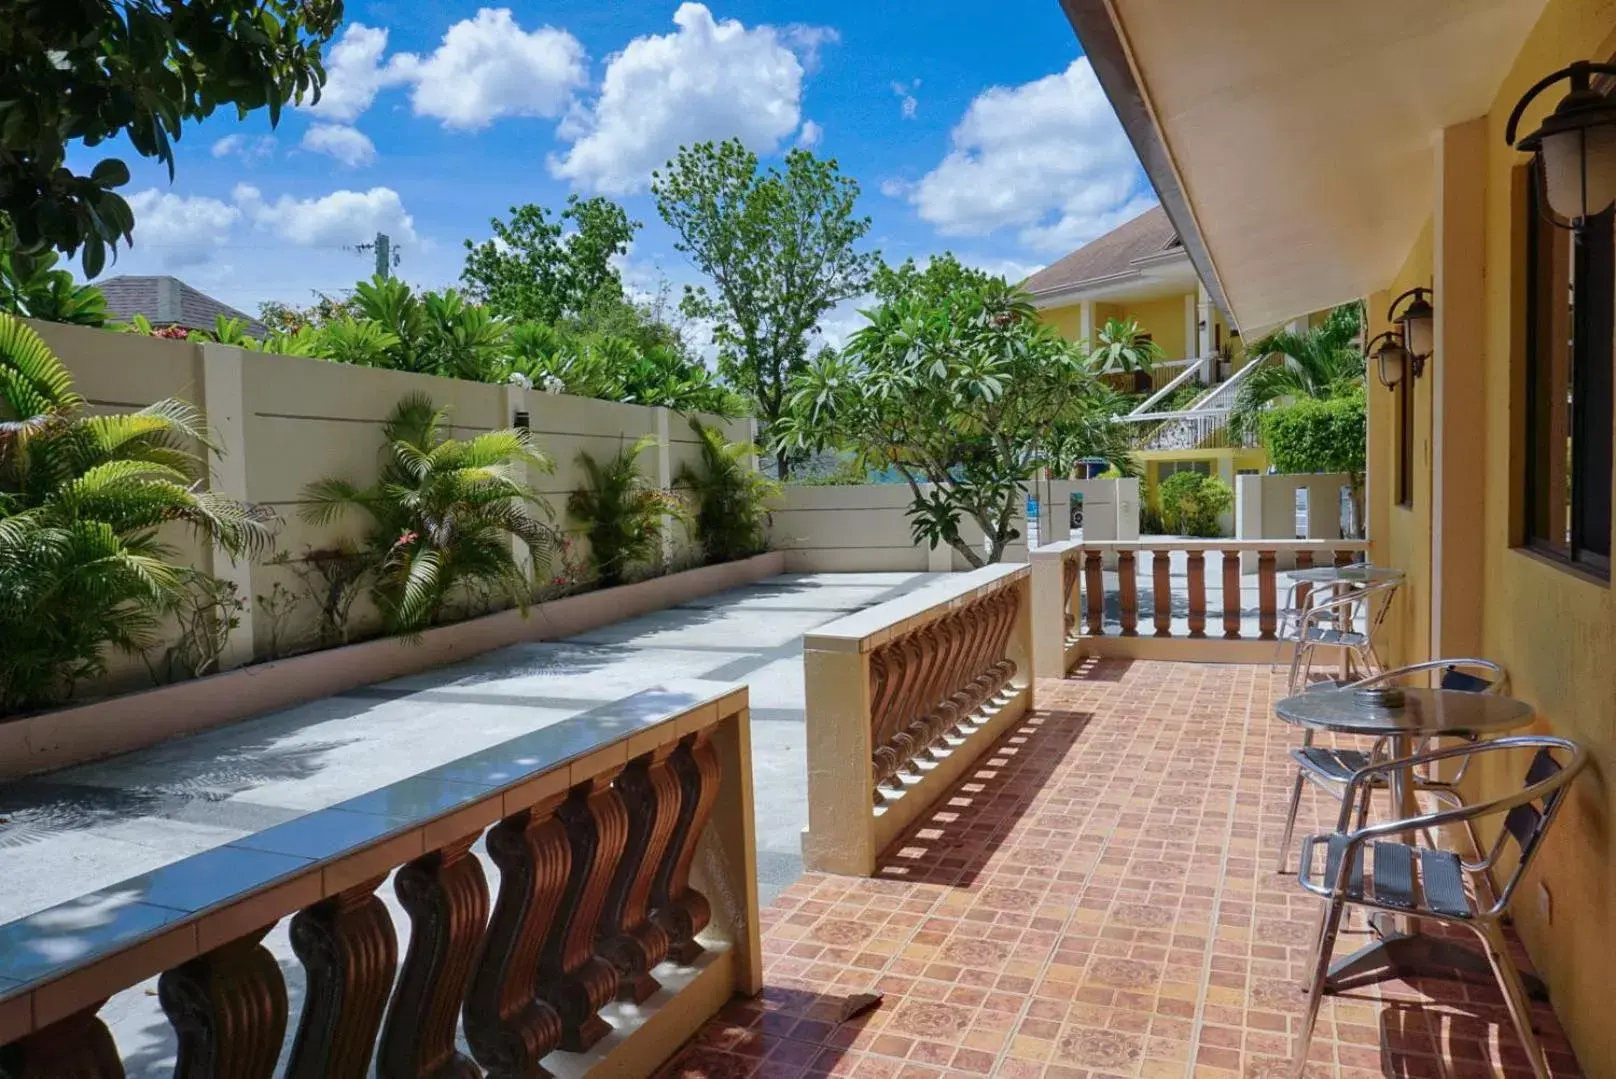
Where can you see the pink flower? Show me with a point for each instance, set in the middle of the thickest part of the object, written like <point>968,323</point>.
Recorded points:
<point>406,538</point>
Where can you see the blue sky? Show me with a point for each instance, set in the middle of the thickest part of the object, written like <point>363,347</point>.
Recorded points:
<point>972,127</point>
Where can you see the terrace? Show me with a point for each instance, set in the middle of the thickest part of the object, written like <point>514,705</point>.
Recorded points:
<point>1083,904</point>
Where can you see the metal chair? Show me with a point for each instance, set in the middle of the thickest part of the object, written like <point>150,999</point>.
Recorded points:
<point>1331,769</point>
<point>1359,871</point>
<point>1335,622</point>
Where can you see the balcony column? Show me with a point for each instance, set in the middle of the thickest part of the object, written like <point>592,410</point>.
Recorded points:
<point>1204,314</point>
<point>1085,322</point>
<point>1458,389</point>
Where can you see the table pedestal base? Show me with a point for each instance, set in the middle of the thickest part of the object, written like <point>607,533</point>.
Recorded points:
<point>1398,954</point>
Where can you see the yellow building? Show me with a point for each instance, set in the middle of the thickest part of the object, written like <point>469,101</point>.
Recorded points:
<point>1141,271</point>
<point>1310,153</point>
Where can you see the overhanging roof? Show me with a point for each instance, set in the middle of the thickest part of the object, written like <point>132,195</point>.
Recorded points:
<point>1291,141</point>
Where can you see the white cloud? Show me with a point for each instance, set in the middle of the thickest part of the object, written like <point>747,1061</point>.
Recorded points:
<point>806,40</point>
<point>346,144</point>
<point>907,102</point>
<point>335,220</point>
<point>810,134</point>
<point>708,80</point>
<point>841,322</point>
<point>488,67</point>
<point>248,149</point>
<point>1047,157</point>
<point>354,73</point>
<point>180,231</point>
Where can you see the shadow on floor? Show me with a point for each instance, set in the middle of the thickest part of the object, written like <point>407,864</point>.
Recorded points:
<point>965,827</point>
<point>1100,669</point>
<point>795,1028</point>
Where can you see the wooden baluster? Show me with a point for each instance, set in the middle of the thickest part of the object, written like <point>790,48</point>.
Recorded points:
<point>1127,594</point>
<point>902,742</point>
<point>1004,668</point>
<point>1304,591</point>
<point>955,655</point>
<point>932,648</point>
<point>1267,595</point>
<point>909,710</point>
<point>1161,564</point>
<point>508,1028</point>
<point>629,940</point>
<point>1094,587</point>
<point>677,907</point>
<point>446,897</point>
<point>971,628</point>
<point>77,1047</point>
<point>1345,558</point>
<point>883,754</point>
<point>1195,562</point>
<point>350,953</point>
<point>1231,595</point>
<point>576,981</point>
<point>228,1008</point>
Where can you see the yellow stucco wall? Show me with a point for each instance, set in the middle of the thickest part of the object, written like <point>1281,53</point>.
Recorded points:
<point>1162,318</point>
<point>1554,631</point>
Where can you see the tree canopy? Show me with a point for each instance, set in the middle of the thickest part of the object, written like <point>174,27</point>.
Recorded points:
<point>1318,363</point>
<point>956,385</point>
<point>90,71</point>
<point>535,269</point>
<point>779,248</point>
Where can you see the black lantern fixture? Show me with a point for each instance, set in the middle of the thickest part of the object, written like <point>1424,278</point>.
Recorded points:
<point>1575,147</point>
<point>1418,325</point>
<point>1391,357</point>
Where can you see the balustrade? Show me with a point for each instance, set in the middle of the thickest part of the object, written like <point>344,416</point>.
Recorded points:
<point>594,823</point>
<point>1098,584</point>
<point>901,698</point>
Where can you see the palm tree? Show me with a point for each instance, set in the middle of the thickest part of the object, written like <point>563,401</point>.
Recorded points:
<point>443,514</point>
<point>732,497</point>
<point>83,502</point>
<point>1317,363</point>
<point>622,510</point>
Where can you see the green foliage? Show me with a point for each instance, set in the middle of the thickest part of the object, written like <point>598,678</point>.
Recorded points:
<point>1122,346</point>
<point>1191,503</point>
<point>957,384</point>
<point>1316,364</point>
<point>442,515</point>
<point>34,288</point>
<point>83,500</point>
<point>622,512</point>
<point>93,72</point>
<point>778,246</point>
<point>529,272</point>
<point>733,499</point>
<point>1317,436</point>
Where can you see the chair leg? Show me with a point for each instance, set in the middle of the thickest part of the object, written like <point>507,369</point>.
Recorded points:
<point>1290,820</point>
<point>1315,991</point>
<point>1509,980</point>
<point>1296,663</point>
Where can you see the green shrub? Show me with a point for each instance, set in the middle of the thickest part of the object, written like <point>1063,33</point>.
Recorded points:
<point>622,512</point>
<point>1317,435</point>
<point>732,498</point>
<point>1191,503</point>
<point>82,501</point>
<point>443,514</point>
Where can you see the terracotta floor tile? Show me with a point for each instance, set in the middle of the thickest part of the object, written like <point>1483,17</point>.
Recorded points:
<point>1097,897</point>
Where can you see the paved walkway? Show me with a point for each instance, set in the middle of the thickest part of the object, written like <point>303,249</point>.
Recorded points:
<point>1097,899</point>
<point>83,828</point>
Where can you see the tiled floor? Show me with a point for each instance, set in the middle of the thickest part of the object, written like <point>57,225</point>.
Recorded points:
<point>1097,899</point>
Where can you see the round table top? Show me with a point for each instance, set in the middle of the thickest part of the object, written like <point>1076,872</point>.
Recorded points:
<point>1423,712</point>
<point>1358,572</point>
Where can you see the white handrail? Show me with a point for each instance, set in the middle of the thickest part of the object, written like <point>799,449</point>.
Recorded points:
<point>1177,381</point>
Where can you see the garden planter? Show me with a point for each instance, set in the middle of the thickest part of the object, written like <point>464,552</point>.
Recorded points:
<point>104,728</point>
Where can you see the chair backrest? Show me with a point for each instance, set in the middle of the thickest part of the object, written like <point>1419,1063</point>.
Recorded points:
<point>1454,678</point>
<point>1529,822</point>
<point>1466,675</point>
<point>1372,600</point>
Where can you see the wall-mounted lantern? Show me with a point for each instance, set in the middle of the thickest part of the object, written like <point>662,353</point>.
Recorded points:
<point>1391,357</point>
<point>1575,147</point>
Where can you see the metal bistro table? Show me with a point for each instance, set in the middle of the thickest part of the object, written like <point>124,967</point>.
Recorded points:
<point>1356,573</point>
<point>1402,950</point>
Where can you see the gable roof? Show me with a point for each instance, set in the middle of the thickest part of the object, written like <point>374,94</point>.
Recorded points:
<point>167,301</point>
<point>1115,253</point>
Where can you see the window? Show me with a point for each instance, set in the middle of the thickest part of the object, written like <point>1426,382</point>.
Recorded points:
<point>1569,359</point>
<point>1405,440</point>
<point>1168,468</point>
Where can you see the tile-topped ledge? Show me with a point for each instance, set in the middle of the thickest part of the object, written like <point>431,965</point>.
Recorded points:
<point>619,796</point>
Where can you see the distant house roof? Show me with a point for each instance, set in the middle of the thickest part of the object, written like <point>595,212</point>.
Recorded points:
<point>168,301</point>
<point>1115,253</point>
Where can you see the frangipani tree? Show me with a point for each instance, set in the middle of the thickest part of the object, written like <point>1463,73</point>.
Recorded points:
<point>958,389</point>
<point>1320,363</point>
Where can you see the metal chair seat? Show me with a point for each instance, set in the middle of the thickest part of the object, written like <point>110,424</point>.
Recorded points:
<point>1332,765</point>
<point>1437,890</point>
<point>1347,637</point>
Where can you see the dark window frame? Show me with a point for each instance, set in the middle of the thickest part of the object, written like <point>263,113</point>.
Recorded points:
<point>1584,495</point>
